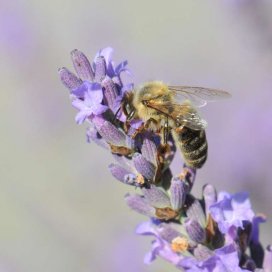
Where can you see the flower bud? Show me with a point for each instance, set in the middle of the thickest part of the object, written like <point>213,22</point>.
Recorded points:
<point>195,231</point>
<point>69,79</point>
<point>82,65</point>
<point>100,68</point>
<point>178,193</point>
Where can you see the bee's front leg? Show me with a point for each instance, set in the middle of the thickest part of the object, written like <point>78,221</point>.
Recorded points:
<point>145,126</point>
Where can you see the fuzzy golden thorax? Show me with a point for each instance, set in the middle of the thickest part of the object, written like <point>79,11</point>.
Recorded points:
<point>150,91</point>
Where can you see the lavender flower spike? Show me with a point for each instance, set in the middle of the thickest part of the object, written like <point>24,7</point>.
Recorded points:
<point>217,233</point>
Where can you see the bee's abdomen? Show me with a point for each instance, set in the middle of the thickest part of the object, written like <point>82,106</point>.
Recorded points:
<point>193,145</point>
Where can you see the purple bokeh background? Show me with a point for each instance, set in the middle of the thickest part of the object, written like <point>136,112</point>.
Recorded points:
<point>57,206</point>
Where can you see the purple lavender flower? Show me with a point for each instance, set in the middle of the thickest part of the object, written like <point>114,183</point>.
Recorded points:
<point>161,246</point>
<point>110,70</point>
<point>231,210</point>
<point>91,105</point>
<point>98,87</point>
<point>224,259</point>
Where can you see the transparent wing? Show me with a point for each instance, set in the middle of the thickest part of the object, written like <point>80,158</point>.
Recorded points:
<point>192,120</point>
<point>183,114</point>
<point>199,96</point>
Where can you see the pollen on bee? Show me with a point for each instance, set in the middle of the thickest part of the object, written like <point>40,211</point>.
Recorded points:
<point>184,173</point>
<point>179,244</point>
<point>140,179</point>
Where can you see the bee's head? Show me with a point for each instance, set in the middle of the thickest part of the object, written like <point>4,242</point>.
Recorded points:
<point>152,90</point>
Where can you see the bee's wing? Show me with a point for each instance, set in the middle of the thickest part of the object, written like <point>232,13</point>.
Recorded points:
<point>183,114</point>
<point>192,120</point>
<point>199,96</point>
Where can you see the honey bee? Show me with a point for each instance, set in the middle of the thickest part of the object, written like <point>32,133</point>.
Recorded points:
<point>172,109</point>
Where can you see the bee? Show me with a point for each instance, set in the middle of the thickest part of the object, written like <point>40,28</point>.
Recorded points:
<point>172,109</point>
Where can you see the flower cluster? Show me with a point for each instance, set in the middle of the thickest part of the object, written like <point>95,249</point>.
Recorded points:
<point>219,232</point>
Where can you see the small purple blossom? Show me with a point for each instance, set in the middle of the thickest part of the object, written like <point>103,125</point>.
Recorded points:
<point>224,259</point>
<point>111,71</point>
<point>160,246</point>
<point>231,210</point>
<point>91,105</point>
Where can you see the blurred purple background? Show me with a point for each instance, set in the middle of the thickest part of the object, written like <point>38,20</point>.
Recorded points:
<point>60,208</point>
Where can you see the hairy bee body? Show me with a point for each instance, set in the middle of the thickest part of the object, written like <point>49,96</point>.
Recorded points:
<point>157,105</point>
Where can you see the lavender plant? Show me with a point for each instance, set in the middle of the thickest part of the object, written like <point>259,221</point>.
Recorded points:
<point>219,232</point>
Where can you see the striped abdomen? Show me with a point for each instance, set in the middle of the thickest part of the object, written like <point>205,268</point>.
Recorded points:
<point>193,145</point>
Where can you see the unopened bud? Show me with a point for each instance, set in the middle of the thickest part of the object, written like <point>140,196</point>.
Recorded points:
<point>82,65</point>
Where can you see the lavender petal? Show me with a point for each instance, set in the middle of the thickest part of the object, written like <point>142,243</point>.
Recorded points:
<point>107,54</point>
<point>145,228</point>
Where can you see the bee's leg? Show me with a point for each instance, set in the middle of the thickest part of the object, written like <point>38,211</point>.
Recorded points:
<point>166,131</point>
<point>143,127</point>
<point>138,130</point>
<point>115,116</point>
